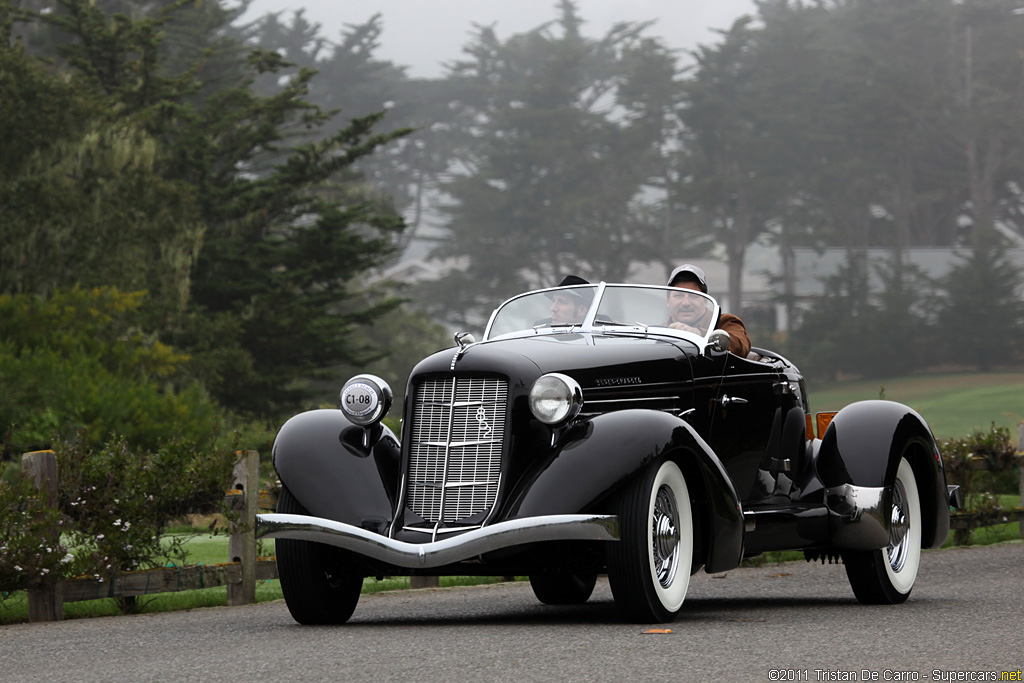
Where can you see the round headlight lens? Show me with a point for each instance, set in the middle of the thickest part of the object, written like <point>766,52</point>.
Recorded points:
<point>366,399</point>
<point>555,398</point>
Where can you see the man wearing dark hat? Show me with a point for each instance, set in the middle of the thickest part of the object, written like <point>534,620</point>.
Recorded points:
<point>571,305</point>
<point>688,312</point>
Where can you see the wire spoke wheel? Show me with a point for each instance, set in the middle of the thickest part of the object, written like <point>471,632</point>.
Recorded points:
<point>649,568</point>
<point>887,575</point>
<point>665,547</point>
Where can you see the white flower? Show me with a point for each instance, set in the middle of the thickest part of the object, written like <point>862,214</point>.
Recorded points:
<point>17,568</point>
<point>99,537</point>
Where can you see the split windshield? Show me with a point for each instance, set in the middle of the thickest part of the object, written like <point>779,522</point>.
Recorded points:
<point>605,307</point>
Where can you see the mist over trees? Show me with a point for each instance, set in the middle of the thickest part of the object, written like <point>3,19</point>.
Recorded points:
<point>256,178</point>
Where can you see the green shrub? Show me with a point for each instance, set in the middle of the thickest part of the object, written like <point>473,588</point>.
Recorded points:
<point>995,446</point>
<point>118,501</point>
<point>30,541</point>
<point>81,360</point>
<point>981,487</point>
<point>114,504</point>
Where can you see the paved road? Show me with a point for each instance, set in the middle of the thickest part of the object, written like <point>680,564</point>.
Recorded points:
<point>966,616</point>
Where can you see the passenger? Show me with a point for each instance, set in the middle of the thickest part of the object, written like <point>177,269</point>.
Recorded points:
<point>570,306</point>
<point>688,312</point>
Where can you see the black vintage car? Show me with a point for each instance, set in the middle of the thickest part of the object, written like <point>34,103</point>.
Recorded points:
<point>614,444</point>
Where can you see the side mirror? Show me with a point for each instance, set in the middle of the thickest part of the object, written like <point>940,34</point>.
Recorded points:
<point>718,342</point>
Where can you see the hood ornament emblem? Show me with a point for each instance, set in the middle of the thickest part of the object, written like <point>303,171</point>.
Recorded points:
<point>464,340</point>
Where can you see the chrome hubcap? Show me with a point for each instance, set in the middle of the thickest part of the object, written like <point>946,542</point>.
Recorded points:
<point>899,525</point>
<point>665,537</point>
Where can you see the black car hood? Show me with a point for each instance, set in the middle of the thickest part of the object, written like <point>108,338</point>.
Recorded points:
<point>593,360</point>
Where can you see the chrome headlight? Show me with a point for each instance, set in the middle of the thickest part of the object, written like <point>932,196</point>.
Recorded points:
<point>366,399</point>
<point>555,398</point>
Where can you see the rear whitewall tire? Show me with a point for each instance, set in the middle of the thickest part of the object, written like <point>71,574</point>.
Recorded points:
<point>887,575</point>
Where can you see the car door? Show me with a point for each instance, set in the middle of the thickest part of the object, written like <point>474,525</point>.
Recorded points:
<point>741,411</point>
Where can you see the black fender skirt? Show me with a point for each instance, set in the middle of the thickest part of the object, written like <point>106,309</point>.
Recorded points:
<point>860,453</point>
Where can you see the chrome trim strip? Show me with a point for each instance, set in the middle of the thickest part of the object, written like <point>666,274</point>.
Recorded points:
<point>458,444</point>
<point>446,530</point>
<point>446,551</point>
<point>644,399</point>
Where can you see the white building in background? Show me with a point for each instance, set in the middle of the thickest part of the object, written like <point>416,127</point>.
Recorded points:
<point>762,287</point>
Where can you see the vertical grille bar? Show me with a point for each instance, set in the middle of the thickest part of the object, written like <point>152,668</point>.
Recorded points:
<point>458,426</point>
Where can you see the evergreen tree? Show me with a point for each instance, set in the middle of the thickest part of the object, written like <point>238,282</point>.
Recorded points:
<point>561,139</point>
<point>253,259</point>
<point>970,330</point>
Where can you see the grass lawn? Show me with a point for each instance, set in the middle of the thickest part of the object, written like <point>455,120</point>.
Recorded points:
<point>954,404</point>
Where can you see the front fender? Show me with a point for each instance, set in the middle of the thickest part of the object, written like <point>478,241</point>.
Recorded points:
<point>861,450</point>
<point>326,463</point>
<point>601,453</point>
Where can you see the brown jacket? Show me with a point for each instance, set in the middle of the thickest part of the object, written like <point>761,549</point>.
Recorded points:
<point>739,342</point>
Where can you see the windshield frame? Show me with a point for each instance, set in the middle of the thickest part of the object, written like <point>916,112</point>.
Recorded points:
<point>591,323</point>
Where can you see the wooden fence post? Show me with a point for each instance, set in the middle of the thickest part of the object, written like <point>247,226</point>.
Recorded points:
<point>45,601</point>
<point>1020,469</point>
<point>242,541</point>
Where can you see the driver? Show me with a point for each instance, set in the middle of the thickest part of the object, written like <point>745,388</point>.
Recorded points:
<point>571,305</point>
<point>692,312</point>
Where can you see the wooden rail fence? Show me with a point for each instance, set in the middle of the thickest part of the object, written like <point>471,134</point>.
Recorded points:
<point>239,574</point>
<point>962,521</point>
<point>244,569</point>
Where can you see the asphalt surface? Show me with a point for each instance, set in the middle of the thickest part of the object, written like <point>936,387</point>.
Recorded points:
<point>792,622</point>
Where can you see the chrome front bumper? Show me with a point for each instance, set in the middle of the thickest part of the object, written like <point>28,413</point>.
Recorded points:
<point>443,552</point>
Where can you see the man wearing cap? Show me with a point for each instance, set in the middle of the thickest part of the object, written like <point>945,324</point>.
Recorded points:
<point>687,312</point>
<point>571,305</point>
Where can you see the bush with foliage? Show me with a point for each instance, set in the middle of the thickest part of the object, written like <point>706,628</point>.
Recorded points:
<point>993,445</point>
<point>31,547</point>
<point>83,359</point>
<point>114,504</point>
<point>118,501</point>
<point>980,486</point>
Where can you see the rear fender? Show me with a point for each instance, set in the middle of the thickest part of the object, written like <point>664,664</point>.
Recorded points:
<point>862,447</point>
<point>599,455</point>
<point>338,470</point>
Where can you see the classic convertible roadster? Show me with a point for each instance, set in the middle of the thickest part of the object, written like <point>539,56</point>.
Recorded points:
<point>610,444</point>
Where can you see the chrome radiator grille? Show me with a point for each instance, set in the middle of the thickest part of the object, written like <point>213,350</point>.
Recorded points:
<point>458,426</point>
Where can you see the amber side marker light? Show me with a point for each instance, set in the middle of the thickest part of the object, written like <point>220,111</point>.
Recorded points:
<point>823,420</point>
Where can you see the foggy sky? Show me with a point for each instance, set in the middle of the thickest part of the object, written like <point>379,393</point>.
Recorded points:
<point>425,34</point>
